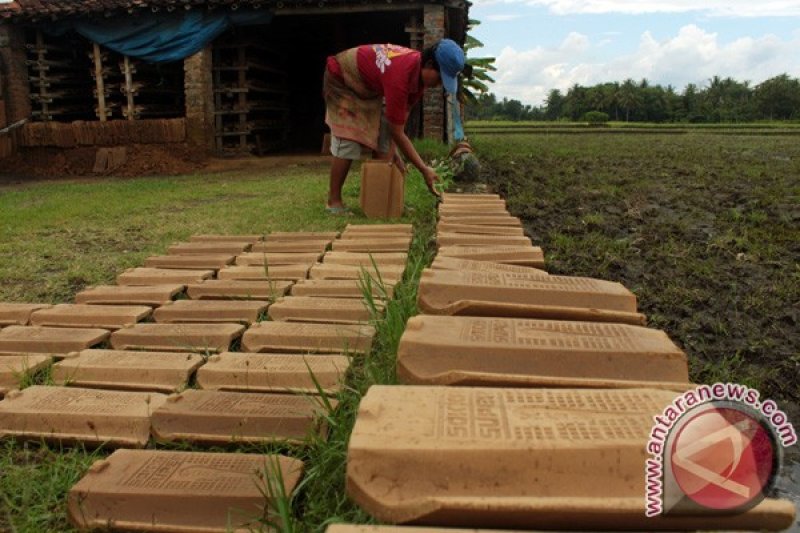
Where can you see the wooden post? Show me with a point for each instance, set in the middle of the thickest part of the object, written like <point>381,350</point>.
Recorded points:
<point>126,64</point>
<point>242,57</point>
<point>218,121</point>
<point>200,112</point>
<point>41,52</point>
<point>100,83</point>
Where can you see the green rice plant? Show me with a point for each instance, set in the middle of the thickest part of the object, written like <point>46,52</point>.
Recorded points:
<point>26,378</point>
<point>278,515</point>
<point>368,284</point>
<point>273,290</point>
<point>320,399</point>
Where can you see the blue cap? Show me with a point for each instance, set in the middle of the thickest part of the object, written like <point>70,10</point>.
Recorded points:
<point>450,57</point>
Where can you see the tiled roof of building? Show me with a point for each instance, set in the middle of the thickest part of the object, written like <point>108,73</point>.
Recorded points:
<point>35,10</point>
<point>61,8</point>
<point>38,9</point>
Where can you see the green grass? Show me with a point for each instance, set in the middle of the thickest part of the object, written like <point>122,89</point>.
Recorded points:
<point>431,150</point>
<point>58,237</point>
<point>478,129</point>
<point>34,482</point>
<point>491,124</point>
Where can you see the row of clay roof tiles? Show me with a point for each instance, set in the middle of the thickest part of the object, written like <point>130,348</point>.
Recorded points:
<point>38,9</point>
<point>58,8</point>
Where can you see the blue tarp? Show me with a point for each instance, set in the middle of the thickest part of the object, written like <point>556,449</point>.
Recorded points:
<point>160,37</point>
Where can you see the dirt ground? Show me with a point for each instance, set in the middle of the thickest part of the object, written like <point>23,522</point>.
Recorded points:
<point>705,229</point>
<point>142,160</point>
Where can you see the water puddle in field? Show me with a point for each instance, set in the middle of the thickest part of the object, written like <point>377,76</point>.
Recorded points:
<point>788,485</point>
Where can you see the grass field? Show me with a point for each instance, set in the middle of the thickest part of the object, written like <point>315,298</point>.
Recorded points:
<point>58,237</point>
<point>759,129</point>
<point>764,125</point>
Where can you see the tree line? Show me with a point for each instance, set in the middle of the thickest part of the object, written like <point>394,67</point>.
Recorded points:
<point>720,100</point>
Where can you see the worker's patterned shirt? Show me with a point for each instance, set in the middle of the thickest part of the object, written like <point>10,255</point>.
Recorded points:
<point>390,70</point>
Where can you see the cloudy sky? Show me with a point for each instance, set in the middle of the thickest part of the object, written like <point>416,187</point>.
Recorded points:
<point>546,44</point>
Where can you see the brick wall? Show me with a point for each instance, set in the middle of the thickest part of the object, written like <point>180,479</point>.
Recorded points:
<point>15,73</point>
<point>7,145</point>
<point>433,101</point>
<point>199,99</point>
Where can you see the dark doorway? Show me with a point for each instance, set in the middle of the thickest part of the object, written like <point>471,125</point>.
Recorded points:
<point>297,47</point>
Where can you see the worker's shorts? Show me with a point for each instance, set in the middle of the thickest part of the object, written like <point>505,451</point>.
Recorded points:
<point>347,149</point>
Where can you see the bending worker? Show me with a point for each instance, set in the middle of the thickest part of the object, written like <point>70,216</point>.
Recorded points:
<point>357,83</point>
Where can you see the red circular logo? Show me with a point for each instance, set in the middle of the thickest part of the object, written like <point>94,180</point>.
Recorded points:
<point>724,458</point>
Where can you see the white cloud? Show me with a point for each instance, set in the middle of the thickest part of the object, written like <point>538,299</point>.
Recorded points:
<point>692,56</point>
<point>575,42</point>
<point>498,17</point>
<point>727,8</point>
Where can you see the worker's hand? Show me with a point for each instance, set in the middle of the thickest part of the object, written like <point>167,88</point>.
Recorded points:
<point>430,176</point>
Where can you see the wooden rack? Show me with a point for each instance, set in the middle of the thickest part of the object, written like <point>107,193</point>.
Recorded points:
<point>74,79</point>
<point>60,88</point>
<point>134,90</point>
<point>251,109</point>
<point>152,91</point>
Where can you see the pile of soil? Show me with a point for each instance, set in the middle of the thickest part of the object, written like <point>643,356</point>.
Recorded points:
<point>142,160</point>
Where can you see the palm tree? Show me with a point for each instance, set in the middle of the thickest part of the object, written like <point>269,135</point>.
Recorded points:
<point>478,83</point>
<point>628,97</point>
<point>554,105</point>
<point>596,98</point>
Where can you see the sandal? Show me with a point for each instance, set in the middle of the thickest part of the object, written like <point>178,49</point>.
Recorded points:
<point>338,210</point>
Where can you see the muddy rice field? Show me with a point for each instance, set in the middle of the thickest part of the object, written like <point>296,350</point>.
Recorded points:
<point>704,228</point>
